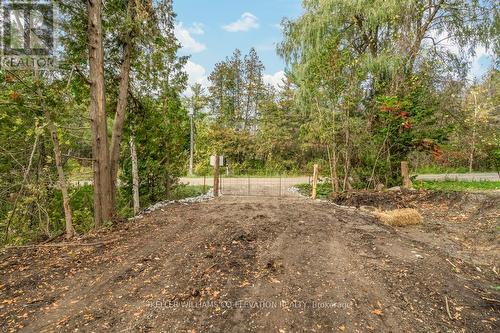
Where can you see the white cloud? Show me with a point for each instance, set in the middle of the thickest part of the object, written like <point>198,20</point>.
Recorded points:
<point>197,28</point>
<point>187,41</point>
<point>197,74</point>
<point>275,79</point>
<point>195,71</point>
<point>246,22</point>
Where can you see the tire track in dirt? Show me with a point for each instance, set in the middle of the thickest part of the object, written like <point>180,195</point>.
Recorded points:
<point>96,293</point>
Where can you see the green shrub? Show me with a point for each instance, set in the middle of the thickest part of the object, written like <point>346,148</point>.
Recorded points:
<point>323,191</point>
<point>183,191</point>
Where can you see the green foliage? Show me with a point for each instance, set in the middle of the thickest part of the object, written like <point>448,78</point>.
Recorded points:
<point>182,191</point>
<point>81,202</point>
<point>236,91</point>
<point>374,90</point>
<point>161,133</point>
<point>41,216</point>
<point>254,127</point>
<point>158,121</point>
<point>365,89</point>
<point>323,191</point>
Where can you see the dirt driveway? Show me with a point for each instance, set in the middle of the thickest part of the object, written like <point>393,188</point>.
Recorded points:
<point>262,265</point>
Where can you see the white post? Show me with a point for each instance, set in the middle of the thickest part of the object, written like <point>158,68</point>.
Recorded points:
<point>191,149</point>
<point>135,176</point>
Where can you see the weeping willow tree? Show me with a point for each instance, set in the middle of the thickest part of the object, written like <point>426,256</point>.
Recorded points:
<point>371,75</point>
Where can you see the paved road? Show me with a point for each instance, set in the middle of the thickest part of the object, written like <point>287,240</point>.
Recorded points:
<point>492,176</point>
<point>244,180</point>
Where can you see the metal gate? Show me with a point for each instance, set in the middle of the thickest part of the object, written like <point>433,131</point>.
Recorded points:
<point>261,186</point>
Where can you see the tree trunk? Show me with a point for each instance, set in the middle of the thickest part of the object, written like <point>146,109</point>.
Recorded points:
<point>334,160</point>
<point>70,231</point>
<point>68,217</point>
<point>103,208</point>
<point>135,176</point>
<point>372,176</point>
<point>347,156</point>
<point>167,187</point>
<point>121,108</point>
<point>167,183</point>
<point>471,159</point>
<point>422,29</point>
<point>332,157</point>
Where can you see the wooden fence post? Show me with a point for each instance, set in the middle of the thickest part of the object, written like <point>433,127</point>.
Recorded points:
<point>216,175</point>
<point>405,173</point>
<point>315,182</point>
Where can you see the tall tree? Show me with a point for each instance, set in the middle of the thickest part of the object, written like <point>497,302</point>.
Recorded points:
<point>127,40</point>
<point>70,231</point>
<point>384,53</point>
<point>103,203</point>
<point>254,89</point>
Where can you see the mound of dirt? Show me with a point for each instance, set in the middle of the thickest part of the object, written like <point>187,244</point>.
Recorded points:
<point>261,265</point>
<point>482,202</point>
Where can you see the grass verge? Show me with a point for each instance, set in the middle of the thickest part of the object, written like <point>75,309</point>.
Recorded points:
<point>457,185</point>
<point>324,189</point>
<point>182,191</point>
<point>436,169</point>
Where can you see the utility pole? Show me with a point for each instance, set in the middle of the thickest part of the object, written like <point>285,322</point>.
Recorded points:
<point>473,140</point>
<point>191,149</point>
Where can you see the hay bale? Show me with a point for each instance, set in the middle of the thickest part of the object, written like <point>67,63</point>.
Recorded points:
<point>399,217</point>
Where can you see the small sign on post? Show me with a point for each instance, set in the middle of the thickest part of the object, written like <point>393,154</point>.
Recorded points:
<point>213,159</point>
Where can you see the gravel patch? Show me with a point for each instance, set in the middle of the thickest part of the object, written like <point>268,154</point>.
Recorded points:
<point>162,204</point>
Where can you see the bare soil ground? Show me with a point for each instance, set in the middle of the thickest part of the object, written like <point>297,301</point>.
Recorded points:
<point>268,265</point>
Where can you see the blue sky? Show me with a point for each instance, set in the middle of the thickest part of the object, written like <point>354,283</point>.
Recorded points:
<point>210,30</point>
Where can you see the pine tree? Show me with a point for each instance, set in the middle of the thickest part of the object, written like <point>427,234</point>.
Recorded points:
<point>254,89</point>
